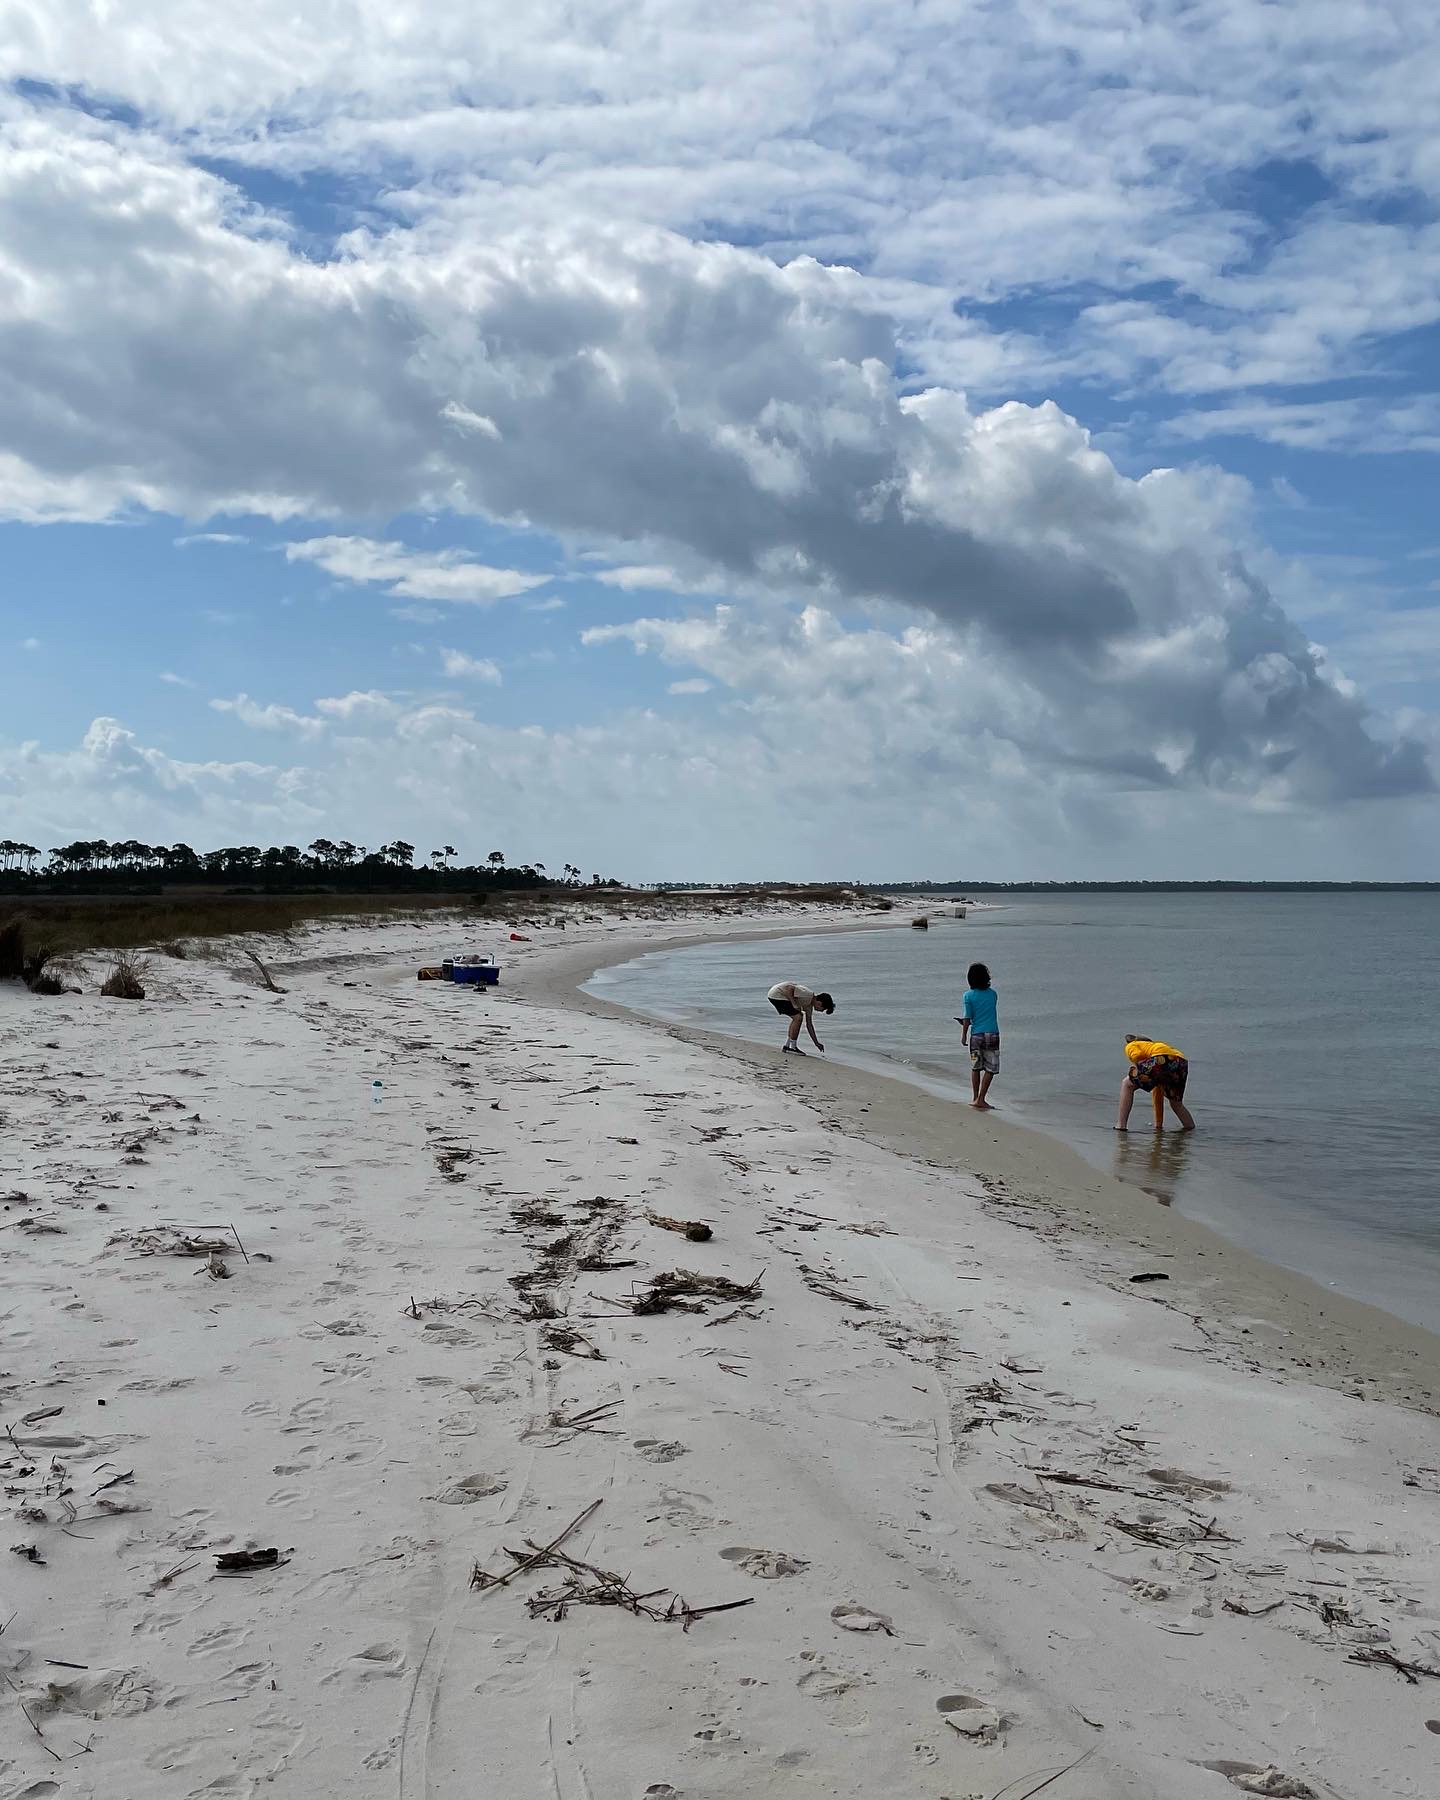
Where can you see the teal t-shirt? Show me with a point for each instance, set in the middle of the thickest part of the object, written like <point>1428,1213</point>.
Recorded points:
<point>982,1009</point>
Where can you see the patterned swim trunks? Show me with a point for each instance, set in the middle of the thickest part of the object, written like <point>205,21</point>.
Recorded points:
<point>1168,1073</point>
<point>985,1052</point>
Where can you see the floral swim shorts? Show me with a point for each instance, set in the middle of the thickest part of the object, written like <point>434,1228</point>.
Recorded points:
<point>1168,1073</point>
<point>985,1052</point>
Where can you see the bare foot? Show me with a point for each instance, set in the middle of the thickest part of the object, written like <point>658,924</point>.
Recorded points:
<point>1124,1128</point>
<point>982,1106</point>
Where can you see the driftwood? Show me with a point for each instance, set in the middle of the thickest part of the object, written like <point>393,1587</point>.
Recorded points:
<point>682,1290</point>
<point>265,975</point>
<point>1238,1603</point>
<point>1085,1481</point>
<point>235,1562</point>
<point>695,1229</point>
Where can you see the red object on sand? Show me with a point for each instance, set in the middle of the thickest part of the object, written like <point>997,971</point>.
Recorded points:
<point>517,938</point>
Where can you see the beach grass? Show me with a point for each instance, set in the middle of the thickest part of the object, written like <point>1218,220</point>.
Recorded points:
<point>69,924</point>
<point>73,924</point>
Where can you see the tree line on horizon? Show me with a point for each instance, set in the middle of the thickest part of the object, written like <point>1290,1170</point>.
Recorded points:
<point>98,862</point>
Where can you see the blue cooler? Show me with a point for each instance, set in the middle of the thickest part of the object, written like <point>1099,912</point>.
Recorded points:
<point>485,974</point>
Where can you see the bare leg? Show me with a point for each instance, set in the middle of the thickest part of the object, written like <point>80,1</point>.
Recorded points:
<point>1182,1113</point>
<point>974,1087</point>
<point>1127,1100</point>
<point>981,1090</point>
<point>793,1041</point>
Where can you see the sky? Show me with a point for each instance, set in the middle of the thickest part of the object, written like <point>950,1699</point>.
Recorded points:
<point>844,440</point>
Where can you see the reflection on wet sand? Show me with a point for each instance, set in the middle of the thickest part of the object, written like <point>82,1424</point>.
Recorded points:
<point>1153,1161</point>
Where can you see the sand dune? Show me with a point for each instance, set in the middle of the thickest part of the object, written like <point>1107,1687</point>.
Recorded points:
<point>995,1513</point>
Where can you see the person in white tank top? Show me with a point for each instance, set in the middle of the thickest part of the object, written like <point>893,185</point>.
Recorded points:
<point>799,1004</point>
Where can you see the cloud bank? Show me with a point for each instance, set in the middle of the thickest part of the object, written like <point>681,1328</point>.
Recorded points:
<point>692,405</point>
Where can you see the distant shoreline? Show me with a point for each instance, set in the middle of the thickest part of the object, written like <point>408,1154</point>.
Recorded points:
<point>923,889</point>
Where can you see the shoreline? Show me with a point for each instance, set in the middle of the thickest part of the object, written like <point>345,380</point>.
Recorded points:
<point>1274,1319</point>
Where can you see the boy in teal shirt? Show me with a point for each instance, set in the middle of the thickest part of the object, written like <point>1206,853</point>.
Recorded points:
<point>980,1028</point>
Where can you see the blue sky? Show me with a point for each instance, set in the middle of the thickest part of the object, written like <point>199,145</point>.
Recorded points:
<point>829,442</point>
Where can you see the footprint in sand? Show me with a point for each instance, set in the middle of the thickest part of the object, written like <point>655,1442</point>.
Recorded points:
<point>717,1737</point>
<point>851,1616</point>
<point>97,1694</point>
<point>768,1565</point>
<point>469,1489</point>
<point>976,1720</point>
<point>289,1497</point>
<point>305,1415</point>
<point>243,1678</point>
<point>457,1425</point>
<point>819,1681</point>
<point>660,1451</point>
<point>1250,1778</point>
<point>687,1511</point>
<point>379,1659</point>
<point>223,1637</point>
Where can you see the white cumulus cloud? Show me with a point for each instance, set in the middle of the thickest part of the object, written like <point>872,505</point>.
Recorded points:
<point>470,668</point>
<point>446,575</point>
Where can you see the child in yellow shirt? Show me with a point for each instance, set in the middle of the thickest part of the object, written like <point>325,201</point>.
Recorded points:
<point>1155,1068</point>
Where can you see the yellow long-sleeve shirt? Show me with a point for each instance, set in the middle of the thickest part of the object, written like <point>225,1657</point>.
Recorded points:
<point>1141,1048</point>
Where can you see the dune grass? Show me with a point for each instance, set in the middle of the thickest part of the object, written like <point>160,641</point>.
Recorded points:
<point>39,928</point>
<point>69,926</point>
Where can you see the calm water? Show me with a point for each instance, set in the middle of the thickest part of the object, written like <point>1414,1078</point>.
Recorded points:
<point>1310,1021</point>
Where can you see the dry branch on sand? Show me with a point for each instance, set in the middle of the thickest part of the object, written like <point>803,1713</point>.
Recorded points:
<point>589,1418</point>
<point>170,1241</point>
<point>265,975</point>
<point>585,1584</point>
<point>1179,1535</point>
<point>570,1342</point>
<point>682,1290</point>
<point>1375,1658</point>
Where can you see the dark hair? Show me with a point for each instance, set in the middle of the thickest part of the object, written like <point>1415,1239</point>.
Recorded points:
<point>825,1002</point>
<point>978,975</point>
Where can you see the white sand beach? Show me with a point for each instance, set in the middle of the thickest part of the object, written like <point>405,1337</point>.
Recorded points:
<point>996,1512</point>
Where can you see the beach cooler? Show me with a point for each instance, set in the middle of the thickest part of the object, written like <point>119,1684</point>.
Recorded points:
<point>473,971</point>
